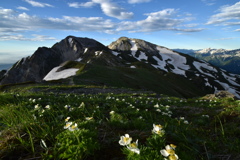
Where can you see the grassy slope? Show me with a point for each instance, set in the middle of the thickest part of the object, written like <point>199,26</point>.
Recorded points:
<point>139,78</point>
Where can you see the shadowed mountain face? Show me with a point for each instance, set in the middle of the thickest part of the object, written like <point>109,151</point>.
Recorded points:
<point>36,67</point>
<point>131,63</point>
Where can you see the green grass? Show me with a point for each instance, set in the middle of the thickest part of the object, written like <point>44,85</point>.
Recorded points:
<point>139,78</point>
<point>201,129</point>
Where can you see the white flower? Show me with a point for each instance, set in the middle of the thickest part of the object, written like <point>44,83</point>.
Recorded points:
<point>158,129</point>
<point>134,147</point>
<point>89,118</point>
<point>82,105</point>
<point>169,152</point>
<point>36,106</point>
<point>73,127</point>
<point>67,106</point>
<point>47,107</point>
<point>66,120</point>
<point>156,106</point>
<point>125,140</point>
<point>67,125</point>
<point>185,122</point>
<point>112,112</point>
<point>181,118</point>
<point>71,109</point>
<point>207,116</point>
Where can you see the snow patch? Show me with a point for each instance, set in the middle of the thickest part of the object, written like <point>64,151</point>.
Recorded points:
<point>207,83</point>
<point>142,56</point>
<point>134,47</point>
<point>85,50</point>
<point>170,57</point>
<point>55,75</point>
<point>160,64</point>
<point>199,67</point>
<point>70,41</point>
<point>98,53</point>
<point>132,66</point>
<point>115,53</point>
<point>78,60</point>
<point>230,79</point>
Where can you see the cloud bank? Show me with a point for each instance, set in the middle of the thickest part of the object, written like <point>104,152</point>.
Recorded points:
<point>14,23</point>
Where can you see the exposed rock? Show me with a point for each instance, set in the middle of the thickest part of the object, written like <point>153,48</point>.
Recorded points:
<point>2,72</point>
<point>220,94</point>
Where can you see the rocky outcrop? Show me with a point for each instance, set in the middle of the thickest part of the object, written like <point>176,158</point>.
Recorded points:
<point>220,94</point>
<point>2,72</point>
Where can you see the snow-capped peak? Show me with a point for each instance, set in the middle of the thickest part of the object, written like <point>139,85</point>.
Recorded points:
<point>212,51</point>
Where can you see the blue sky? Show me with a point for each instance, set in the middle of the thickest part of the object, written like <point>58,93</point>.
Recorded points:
<point>26,25</point>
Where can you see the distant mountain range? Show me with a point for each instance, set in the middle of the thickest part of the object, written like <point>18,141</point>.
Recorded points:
<point>126,62</point>
<point>228,60</point>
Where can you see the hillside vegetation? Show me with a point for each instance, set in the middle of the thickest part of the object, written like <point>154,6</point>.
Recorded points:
<point>53,122</point>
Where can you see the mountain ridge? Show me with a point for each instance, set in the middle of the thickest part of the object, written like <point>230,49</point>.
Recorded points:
<point>127,59</point>
<point>228,60</point>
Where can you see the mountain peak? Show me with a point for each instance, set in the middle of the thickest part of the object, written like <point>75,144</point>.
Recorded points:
<point>126,53</point>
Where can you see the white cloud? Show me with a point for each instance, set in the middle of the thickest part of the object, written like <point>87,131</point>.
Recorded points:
<point>166,19</point>
<point>113,10</point>
<point>38,4</point>
<point>23,8</point>
<point>223,39</point>
<point>237,30</point>
<point>108,7</point>
<point>20,37</point>
<point>79,5</point>
<point>138,1</point>
<point>227,13</point>
<point>209,2</point>
<point>14,22</point>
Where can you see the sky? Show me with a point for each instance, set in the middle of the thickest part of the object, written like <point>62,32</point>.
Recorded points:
<point>26,25</point>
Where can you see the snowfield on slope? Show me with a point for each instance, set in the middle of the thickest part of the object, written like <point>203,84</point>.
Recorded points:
<point>55,75</point>
<point>170,57</point>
